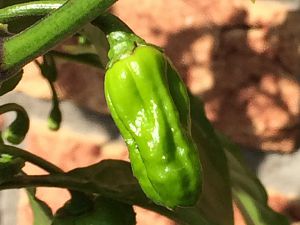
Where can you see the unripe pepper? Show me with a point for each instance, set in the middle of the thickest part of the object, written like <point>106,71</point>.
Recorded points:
<point>150,105</point>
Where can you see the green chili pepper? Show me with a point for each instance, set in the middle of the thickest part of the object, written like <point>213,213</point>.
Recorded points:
<point>150,105</point>
<point>102,212</point>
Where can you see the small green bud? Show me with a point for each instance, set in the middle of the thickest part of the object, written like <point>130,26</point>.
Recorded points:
<point>18,129</point>
<point>55,118</point>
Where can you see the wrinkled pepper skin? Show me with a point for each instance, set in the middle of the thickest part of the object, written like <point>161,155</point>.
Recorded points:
<point>150,105</point>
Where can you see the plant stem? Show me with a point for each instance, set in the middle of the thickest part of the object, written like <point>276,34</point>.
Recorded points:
<point>110,23</point>
<point>87,58</point>
<point>38,161</point>
<point>186,216</point>
<point>59,180</point>
<point>41,8</point>
<point>107,22</point>
<point>44,35</point>
<point>36,8</point>
<point>73,183</point>
<point>12,107</point>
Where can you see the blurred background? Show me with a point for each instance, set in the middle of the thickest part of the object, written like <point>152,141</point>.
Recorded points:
<point>242,59</point>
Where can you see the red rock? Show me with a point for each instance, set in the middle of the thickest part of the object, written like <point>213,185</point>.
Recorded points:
<point>146,217</point>
<point>238,217</point>
<point>1,122</point>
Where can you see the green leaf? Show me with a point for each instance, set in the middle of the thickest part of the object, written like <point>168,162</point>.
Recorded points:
<point>99,211</point>
<point>248,192</point>
<point>114,179</point>
<point>255,212</point>
<point>98,39</point>
<point>240,175</point>
<point>215,202</point>
<point>41,211</point>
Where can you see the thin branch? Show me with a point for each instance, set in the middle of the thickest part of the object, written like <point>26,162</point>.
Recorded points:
<point>48,32</point>
<point>27,156</point>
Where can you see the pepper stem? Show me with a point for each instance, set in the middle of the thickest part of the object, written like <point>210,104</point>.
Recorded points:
<point>122,40</point>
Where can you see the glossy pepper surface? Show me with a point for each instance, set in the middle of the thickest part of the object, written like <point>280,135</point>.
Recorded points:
<point>149,104</point>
